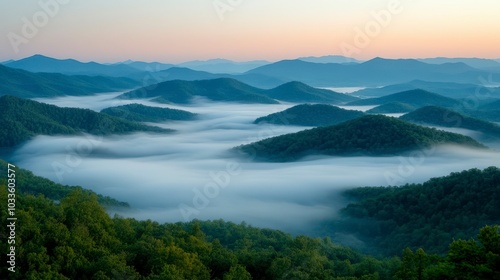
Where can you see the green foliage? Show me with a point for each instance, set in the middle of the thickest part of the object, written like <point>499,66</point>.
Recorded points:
<point>22,119</point>
<point>428,215</point>
<point>372,135</point>
<point>310,115</point>
<point>76,239</point>
<point>141,113</point>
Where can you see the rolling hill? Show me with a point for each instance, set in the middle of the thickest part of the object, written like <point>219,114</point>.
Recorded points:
<point>182,92</point>
<point>438,116</point>
<point>392,108</point>
<point>25,84</point>
<point>300,92</point>
<point>141,113</point>
<point>310,115</point>
<point>23,119</point>
<point>372,135</point>
<point>416,98</point>
<point>40,63</point>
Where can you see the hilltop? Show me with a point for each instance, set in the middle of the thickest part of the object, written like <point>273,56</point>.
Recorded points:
<point>310,115</point>
<point>142,113</point>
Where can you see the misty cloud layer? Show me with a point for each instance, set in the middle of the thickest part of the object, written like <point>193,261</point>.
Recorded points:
<point>158,173</point>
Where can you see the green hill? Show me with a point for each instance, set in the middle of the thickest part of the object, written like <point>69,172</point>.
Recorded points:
<point>182,92</point>
<point>433,115</point>
<point>416,98</point>
<point>141,113</point>
<point>428,215</point>
<point>22,119</point>
<point>25,84</point>
<point>372,135</point>
<point>300,92</point>
<point>392,108</point>
<point>310,115</point>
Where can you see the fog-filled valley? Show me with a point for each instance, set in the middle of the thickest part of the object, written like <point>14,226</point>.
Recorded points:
<point>165,177</point>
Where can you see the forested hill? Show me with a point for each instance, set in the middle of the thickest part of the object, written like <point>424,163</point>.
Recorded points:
<point>373,135</point>
<point>142,113</point>
<point>300,92</point>
<point>183,92</point>
<point>392,108</point>
<point>310,115</point>
<point>428,215</point>
<point>439,116</point>
<point>22,119</point>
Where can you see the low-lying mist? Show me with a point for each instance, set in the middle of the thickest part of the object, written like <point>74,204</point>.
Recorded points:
<point>190,174</point>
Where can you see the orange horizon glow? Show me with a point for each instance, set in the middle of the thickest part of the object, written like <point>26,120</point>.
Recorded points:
<point>180,31</point>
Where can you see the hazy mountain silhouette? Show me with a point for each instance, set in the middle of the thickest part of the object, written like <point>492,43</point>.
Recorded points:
<point>375,72</point>
<point>40,63</point>
<point>223,65</point>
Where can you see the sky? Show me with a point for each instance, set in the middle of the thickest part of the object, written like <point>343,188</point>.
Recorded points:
<point>175,31</point>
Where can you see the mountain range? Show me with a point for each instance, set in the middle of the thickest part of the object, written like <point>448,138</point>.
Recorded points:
<point>375,72</point>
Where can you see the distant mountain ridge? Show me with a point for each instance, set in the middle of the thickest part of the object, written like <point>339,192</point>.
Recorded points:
<point>39,63</point>
<point>375,72</point>
<point>372,135</point>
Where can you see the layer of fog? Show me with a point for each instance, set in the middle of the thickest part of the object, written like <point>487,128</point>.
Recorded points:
<point>157,174</point>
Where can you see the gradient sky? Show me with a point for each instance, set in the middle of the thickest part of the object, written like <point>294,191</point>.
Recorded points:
<point>182,30</point>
